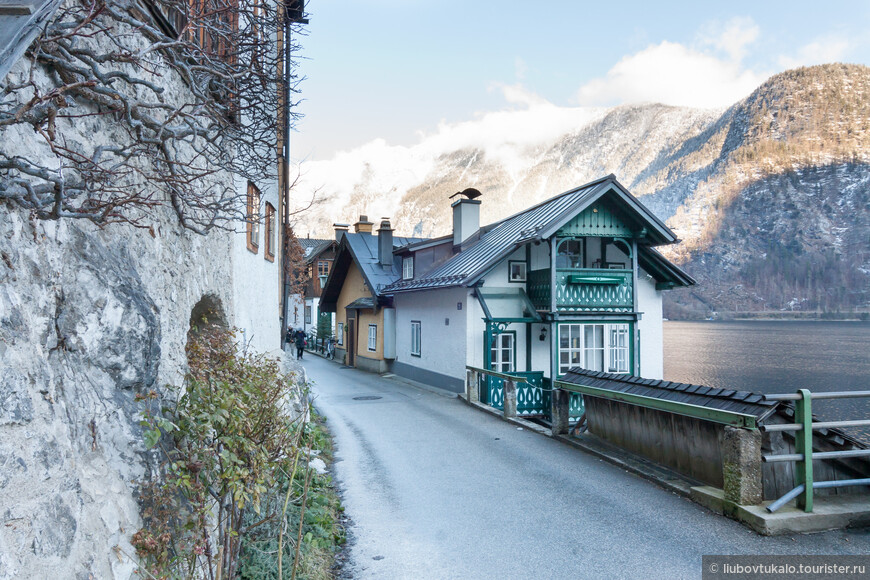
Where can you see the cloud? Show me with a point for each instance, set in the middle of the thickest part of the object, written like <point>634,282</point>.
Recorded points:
<point>821,50</point>
<point>732,37</point>
<point>360,177</point>
<point>708,74</point>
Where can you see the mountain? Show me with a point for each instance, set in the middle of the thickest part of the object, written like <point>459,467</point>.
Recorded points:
<point>769,196</point>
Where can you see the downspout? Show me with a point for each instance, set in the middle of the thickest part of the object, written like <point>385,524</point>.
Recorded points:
<point>554,326</point>
<point>635,336</point>
<point>285,166</point>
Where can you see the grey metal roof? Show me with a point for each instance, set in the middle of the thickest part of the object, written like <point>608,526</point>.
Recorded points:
<point>502,238</point>
<point>725,399</point>
<point>19,27</point>
<point>314,246</point>
<point>362,303</point>
<point>747,402</point>
<point>364,248</point>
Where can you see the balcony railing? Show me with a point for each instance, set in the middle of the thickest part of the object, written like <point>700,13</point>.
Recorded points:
<point>583,289</point>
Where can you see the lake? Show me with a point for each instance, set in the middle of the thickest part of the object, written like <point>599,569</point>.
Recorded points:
<point>774,357</point>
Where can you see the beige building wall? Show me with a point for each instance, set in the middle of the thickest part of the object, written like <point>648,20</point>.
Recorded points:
<point>355,287</point>
<point>367,317</point>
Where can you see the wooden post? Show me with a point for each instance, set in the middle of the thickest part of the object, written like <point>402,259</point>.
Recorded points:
<point>510,399</point>
<point>560,411</point>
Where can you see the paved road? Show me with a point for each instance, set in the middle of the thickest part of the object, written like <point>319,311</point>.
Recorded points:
<point>436,489</point>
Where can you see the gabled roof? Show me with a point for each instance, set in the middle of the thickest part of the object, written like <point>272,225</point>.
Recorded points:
<point>362,250</point>
<point>313,247</point>
<point>499,240</point>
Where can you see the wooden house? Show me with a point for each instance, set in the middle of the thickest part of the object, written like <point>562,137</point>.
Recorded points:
<point>572,281</point>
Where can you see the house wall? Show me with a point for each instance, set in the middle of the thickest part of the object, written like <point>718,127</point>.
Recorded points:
<point>256,280</point>
<point>475,327</point>
<point>443,349</point>
<point>366,359</point>
<point>295,311</point>
<point>540,256</point>
<point>649,302</point>
<point>354,287</point>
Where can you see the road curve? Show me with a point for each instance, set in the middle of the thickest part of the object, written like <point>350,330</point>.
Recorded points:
<point>435,489</point>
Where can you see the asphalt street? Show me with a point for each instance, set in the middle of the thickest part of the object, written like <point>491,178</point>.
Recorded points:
<point>436,489</point>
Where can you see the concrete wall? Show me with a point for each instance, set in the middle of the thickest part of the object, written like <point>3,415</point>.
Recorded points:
<point>649,301</point>
<point>443,346</point>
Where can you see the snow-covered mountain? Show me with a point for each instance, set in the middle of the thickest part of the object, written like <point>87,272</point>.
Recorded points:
<point>770,195</point>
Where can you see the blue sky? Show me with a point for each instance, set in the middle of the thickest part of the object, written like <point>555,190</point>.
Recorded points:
<point>403,70</point>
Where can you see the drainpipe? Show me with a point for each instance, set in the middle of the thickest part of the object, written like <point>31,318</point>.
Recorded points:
<point>636,334</point>
<point>554,327</point>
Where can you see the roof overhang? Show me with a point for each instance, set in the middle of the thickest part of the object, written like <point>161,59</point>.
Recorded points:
<point>657,232</point>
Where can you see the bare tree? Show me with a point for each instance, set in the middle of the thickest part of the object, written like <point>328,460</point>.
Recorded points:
<point>191,90</point>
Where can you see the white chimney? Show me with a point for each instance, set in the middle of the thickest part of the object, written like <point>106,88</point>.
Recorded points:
<point>466,215</point>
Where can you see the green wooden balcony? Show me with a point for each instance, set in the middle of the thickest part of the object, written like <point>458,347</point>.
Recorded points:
<point>583,290</point>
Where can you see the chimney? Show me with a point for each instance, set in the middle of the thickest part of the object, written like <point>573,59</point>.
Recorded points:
<point>466,215</point>
<point>363,226</point>
<point>340,230</point>
<point>385,243</point>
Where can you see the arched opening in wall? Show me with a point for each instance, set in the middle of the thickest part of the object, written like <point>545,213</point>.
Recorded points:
<point>207,315</point>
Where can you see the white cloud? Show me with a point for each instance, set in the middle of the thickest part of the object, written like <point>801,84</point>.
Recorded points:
<point>710,74</point>
<point>732,37</point>
<point>821,50</point>
<point>507,136</point>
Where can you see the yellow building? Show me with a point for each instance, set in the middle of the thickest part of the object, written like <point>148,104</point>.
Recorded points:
<point>364,317</point>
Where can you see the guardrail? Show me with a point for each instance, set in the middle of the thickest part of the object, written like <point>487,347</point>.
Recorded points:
<point>678,408</point>
<point>510,385</point>
<point>803,438</point>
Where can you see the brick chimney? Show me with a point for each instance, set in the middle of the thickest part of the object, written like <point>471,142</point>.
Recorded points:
<point>466,215</point>
<point>363,226</point>
<point>340,230</point>
<point>385,243</point>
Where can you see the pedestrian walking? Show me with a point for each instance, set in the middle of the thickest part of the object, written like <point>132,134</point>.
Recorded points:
<point>288,338</point>
<point>300,344</point>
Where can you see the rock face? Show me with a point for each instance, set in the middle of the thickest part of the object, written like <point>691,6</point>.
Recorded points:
<point>88,319</point>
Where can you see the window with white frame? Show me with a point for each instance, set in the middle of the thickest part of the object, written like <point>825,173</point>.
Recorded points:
<point>596,347</point>
<point>373,337</point>
<point>341,333</point>
<point>307,315</point>
<point>416,336</point>
<point>502,353</point>
<point>407,267</point>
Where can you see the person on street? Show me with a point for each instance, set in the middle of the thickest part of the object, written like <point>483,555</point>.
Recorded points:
<point>288,338</point>
<point>300,344</point>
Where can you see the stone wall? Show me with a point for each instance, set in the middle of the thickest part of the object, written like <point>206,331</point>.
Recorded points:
<point>88,319</point>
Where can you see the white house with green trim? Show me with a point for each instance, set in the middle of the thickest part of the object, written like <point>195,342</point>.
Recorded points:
<point>574,281</point>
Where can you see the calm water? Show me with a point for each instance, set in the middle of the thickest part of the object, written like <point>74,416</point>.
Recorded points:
<point>774,357</point>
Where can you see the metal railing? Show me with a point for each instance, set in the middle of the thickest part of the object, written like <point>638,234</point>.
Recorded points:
<point>803,438</point>
<point>511,385</point>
